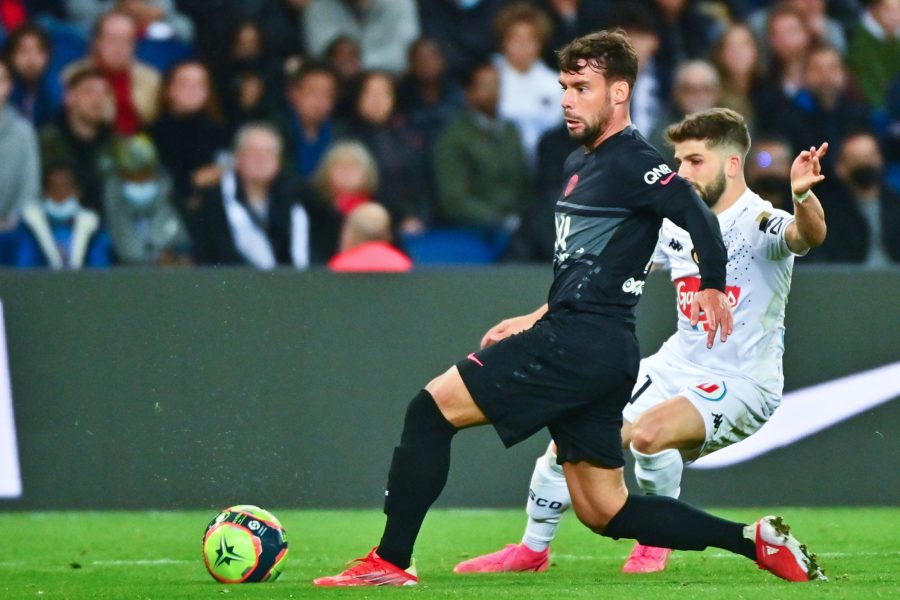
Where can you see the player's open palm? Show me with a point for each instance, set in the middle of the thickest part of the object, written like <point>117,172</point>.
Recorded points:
<point>714,305</point>
<point>806,171</point>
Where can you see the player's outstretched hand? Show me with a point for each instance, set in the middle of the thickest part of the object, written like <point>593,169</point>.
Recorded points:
<point>806,171</point>
<point>715,306</point>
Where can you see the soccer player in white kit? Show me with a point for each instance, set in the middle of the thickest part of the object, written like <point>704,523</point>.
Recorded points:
<point>689,399</point>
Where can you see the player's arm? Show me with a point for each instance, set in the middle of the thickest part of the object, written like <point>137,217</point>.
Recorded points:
<point>683,206</point>
<point>808,229</point>
<point>512,326</point>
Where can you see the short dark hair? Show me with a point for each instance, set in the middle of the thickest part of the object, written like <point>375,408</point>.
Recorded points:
<point>25,30</point>
<point>82,73</point>
<point>609,51</point>
<point>313,67</point>
<point>471,74</point>
<point>717,127</point>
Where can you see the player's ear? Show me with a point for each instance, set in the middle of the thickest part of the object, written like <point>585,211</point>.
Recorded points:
<point>733,165</point>
<point>620,91</point>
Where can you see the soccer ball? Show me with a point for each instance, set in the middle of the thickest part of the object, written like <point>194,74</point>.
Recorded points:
<point>244,544</point>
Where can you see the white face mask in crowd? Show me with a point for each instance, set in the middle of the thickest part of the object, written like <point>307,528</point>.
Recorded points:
<point>61,211</point>
<point>140,194</point>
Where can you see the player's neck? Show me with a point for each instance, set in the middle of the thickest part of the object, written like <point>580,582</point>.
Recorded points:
<point>729,197</point>
<point>615,126</point>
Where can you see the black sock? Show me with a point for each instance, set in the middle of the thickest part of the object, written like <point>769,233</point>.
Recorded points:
<point>669,523</point>
<point>417,476</point>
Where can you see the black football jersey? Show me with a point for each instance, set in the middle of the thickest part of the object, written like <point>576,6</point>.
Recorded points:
<point>607,223</point>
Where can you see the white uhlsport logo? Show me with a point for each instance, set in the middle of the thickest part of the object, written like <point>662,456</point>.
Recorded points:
<point>633,286</point>
<point>654,174</point>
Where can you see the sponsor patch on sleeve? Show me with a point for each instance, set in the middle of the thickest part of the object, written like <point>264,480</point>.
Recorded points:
<point>712,391</point>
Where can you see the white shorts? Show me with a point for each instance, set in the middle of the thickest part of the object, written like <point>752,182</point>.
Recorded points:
<point>732,408</point>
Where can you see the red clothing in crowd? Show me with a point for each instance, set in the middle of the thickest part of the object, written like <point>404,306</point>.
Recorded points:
<point>12,14</point>
<point>371,257</point>
<point>127,119</point>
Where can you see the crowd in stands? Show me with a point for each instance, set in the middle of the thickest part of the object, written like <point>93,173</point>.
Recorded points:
<point>378,134</point>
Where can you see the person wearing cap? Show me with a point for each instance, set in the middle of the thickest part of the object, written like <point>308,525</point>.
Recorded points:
<point>137,198</point>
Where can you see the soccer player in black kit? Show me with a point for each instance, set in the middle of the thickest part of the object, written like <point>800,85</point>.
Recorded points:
<point>570,366</point>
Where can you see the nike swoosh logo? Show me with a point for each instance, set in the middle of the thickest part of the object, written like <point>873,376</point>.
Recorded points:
<point>474,359</point>
<point>667,179</point>
<point>810,410</point>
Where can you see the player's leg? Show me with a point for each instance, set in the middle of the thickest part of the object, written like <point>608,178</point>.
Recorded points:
<point>548,499</point>
<point>590,451</point>
<point>603,505</point>
<point>417,475</point>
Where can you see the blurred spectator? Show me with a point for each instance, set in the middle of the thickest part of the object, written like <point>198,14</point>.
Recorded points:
<point>59,232</point>
<point>345,57</point>
<point>19,169</point>
<point>768,170</point>
<point>190,133</point>
<point>736,57</point>
<point>309,124</point>
<point>462,29</point>
<point>143,223</point>
<point>789,42</point>
<point>430,99</point>
<point>874,53</point>
<point>482,177</point>
<point>529,90</point>
<point>257,216</point>
<point>573,18</point>
<point>37,93</point>
<point>157,19</point>
<point>135,86</point>
<point>823,28</point>
<point>82,135</point>
<point>863,214</point>
<point>427,95</point>
<point>214,21</point>
<point>685,30</point>
<point>397,152</point>
<point>650,87</point>
<point>248,78</point>
<point>347,176</point>
<point>365,243</point>
<point>695,87</point>
<point>384,29</point>
<point>822,110</point>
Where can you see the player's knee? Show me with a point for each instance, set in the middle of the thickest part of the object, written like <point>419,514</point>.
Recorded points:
<point>595,518</point>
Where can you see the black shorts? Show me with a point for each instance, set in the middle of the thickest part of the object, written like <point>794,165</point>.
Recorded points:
<point>572,379</point>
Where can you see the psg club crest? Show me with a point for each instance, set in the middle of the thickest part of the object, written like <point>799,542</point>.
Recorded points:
<point>573,181</point>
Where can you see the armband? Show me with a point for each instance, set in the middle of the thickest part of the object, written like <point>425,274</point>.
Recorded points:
<point>800,199</point>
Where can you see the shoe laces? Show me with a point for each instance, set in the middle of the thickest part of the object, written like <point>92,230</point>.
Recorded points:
<point>362,563</point>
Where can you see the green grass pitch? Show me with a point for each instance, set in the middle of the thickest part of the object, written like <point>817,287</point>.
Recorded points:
<point>139,555</point>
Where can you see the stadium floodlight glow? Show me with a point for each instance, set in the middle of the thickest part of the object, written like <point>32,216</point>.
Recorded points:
<point>810,410</point>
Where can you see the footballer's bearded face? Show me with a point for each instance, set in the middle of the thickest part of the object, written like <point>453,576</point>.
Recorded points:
<point>703,168</point>
<point>587,104</point>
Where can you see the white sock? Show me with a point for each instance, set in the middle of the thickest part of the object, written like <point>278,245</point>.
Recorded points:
<point>659,474</point>
<point>548,499</point>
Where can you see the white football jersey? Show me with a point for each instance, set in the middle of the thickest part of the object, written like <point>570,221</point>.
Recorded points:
<point>757,284</point>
